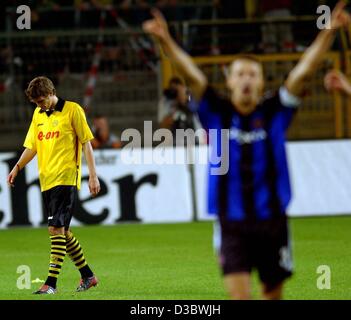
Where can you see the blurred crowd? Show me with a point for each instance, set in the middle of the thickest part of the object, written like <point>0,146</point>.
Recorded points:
<point>52,55</point>
<point>66,14</point>
<point>51,14</point>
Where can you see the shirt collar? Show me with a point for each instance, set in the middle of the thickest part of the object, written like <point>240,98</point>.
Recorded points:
<point>59,106</point>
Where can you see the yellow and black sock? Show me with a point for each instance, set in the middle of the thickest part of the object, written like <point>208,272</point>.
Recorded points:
<point>76,254</point>
<point>57,256</point>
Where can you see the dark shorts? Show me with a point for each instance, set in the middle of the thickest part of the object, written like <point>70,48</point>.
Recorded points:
<point>59,204</point>
<point>261,245</point>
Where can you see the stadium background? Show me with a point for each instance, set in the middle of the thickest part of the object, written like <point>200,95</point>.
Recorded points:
<point>97,55</point>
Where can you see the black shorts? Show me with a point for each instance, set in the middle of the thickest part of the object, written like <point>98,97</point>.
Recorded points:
<point>261,245</point>
<point>59,204</point>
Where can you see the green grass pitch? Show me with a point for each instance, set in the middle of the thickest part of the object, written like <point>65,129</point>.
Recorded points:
<point>172,261</point>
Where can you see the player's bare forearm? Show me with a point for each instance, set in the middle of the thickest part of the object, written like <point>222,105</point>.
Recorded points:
<point>314,55</point>
<point>309,62</point>
<point>26,156</point>
<point>89,157</point>
<point>347,88</point>
<point>186,67</point>
<point>158,28</point>
<point>94,185</point>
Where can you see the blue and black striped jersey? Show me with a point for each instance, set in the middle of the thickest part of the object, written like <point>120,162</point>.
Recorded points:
<point>256,185</point>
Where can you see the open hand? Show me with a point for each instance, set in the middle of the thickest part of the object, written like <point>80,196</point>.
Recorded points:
<point>157,26</point>
<point>340,17</point>
<point>336,80</point>
<point>94,186</point>
<point>12,176</point>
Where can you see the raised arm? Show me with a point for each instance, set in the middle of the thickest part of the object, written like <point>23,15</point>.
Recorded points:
<point>195,78</point>
<point>27,156</point>
<point>313,56</point>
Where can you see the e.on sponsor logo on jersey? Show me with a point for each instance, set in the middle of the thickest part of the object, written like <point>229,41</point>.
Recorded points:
<point>48,135</point>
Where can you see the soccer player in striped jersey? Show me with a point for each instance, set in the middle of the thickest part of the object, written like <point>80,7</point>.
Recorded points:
<point>250,198</point>
<point>57,135</point>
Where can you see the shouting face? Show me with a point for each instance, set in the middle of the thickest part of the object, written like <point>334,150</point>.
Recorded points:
<point>245,82</point>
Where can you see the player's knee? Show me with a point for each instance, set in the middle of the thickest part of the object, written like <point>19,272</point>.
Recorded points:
<point>271,296</point>
<point>238,286</point>
<point>272,292</point>
<point>53,231</point>
<point>240,294</point>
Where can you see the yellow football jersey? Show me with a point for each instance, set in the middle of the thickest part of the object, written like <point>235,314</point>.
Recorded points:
<point>57,137</point>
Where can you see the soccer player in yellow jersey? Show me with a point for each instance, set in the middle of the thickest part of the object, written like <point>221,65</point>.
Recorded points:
<point>57,135</point>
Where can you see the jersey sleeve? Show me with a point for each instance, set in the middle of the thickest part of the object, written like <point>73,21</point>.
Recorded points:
<point>287,99</point>
<point>80,125</point>
<point>281,106</point>
<point>210,106</point>
<point>30,141</point>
